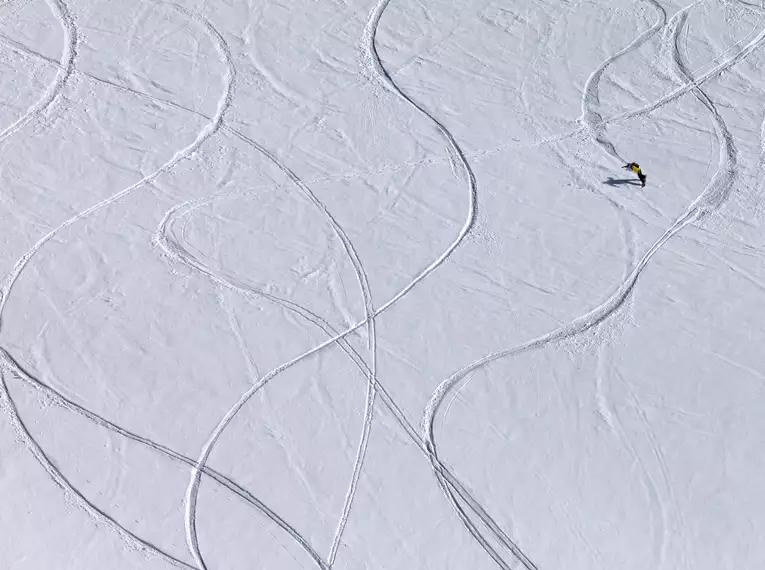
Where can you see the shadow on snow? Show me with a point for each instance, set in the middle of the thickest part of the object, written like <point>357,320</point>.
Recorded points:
<point>621,181</point>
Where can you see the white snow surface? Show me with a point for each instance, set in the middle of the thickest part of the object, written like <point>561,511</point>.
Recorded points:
<point>345,284</point>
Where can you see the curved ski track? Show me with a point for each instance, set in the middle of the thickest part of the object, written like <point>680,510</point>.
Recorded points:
<point>68,23</point>
<point>368,40</point>
<point>728,161</point>
<point>8,363</point>
<point>592,124</point>
<point>217,123</point>
<point>710,200</point>
<point>60,9</point>
<point>173,249</point>
<point>371,372</point>
<point>591,119</point>
<point>551,139</point>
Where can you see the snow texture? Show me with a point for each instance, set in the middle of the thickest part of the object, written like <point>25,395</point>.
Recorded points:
<point>339,285</point>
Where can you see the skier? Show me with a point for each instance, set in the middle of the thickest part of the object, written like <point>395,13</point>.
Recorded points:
<point>635,167</point>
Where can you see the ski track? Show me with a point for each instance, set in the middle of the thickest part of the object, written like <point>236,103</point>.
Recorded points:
<point>182,256</point>
<point>475,154</point>
<point>374,65</point>
<point>711,199</point>
<point>728,154</point>
<point>217,123</point>
<point>9,364</point>
<point>166,240</point>
<point>371,374</point>
<point>8,283</point>
<point>169,244</point>
<point>60,9</point>
<point>591,119</point>
<point>205,134</point>
<point>592,125</point>
<point>176,252</point>
<point>192,492</point>
<point>447,480</point>
<point>692,84</point>
<point>58,478</point>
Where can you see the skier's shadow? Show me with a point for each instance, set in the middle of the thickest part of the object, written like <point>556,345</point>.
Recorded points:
<point>621,181</point>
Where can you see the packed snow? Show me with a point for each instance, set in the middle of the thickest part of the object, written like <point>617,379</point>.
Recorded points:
<point>344,284</point>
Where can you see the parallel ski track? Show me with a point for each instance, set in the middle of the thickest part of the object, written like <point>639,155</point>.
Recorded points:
<point>711,199</point>
<point>728,161</point>
<point>372,60</point>
<point>582,130</point>
<point>174,250</point>
<point>66,67</point>
<point>26,51</point>
<point>68,23</point>
<point>11,366</point>
<point>218,124</point>
<point>371,373</point>
<point>61,481</point>
<point>446,478</point>
<point>591,119</point>
<point>171,247</point>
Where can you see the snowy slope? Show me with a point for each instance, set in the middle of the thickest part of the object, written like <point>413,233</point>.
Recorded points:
<point>350,285</point>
